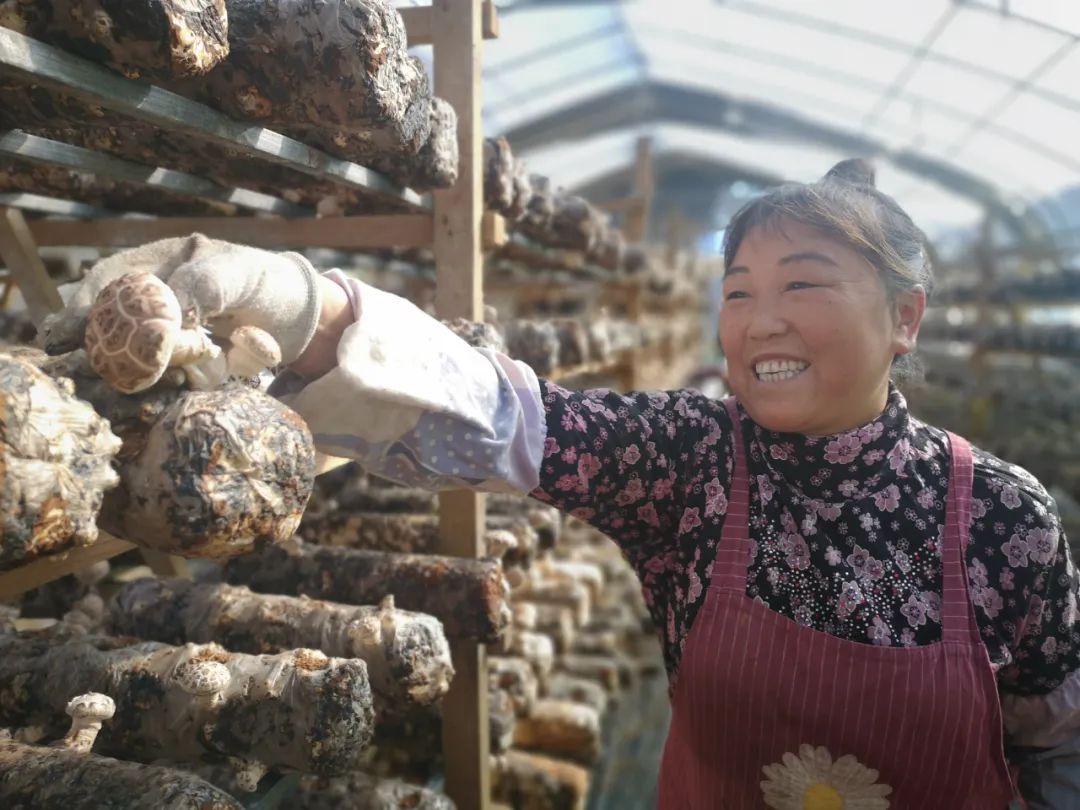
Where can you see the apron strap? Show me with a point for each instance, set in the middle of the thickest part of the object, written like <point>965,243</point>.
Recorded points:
<point>733,554</point>
<point>957,613</point>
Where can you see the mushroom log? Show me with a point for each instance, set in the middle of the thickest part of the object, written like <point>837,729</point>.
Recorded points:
<point>561,728</point>
<point>59,779</point>
<point>203,473</point>
<point>152,39</point>
<point>361,791</point>
<point>467,596</point>
<point>217,474</point>
<point>55,464</point>
<point>540,783</point>
<point>407,655</point>
<point>297,710</point>
<point>335,74</point>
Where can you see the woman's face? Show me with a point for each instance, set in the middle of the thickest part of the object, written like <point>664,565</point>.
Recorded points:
<point>809,332</point>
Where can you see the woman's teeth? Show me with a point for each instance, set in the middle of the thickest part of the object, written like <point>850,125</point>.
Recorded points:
<point>779,370</point>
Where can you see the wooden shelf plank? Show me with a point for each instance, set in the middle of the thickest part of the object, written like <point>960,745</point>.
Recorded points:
<point>35,62</point>
<point>46,569</point>
<point>352,232</point>
<point>43,151</point>
<point>40,204</point>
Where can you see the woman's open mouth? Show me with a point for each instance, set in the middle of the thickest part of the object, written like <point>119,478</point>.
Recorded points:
<point>773,371</point>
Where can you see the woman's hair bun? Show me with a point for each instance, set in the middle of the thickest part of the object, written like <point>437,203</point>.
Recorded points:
<point>853,170</point>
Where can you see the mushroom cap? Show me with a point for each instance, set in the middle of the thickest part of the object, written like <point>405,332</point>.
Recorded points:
<point>92,705</point>
<point>203,677</point>
<point>131,331</point>
<point>256,342</point>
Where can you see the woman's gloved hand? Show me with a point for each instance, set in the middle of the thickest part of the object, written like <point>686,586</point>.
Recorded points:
<point>244,286</point>
<point>218,284</point>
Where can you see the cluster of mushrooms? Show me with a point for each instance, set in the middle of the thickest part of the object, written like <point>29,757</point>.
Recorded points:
<point>154,424</point>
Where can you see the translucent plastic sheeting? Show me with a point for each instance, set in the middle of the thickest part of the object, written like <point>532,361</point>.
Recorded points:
<point>602,155</point>
<point>985,86</point>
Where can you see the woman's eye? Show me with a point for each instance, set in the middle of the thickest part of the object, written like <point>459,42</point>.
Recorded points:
<point>731,296</point>
<point>801,285</point>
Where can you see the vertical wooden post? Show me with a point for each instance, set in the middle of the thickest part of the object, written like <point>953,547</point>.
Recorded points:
<point>457,37</point>
<point>637,218</point>
<point>25,267</point>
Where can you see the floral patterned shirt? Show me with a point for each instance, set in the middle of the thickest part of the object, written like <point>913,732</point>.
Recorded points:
<point>845,530</point>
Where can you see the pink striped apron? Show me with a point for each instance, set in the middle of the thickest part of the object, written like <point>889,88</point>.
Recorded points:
<point>768,713</point>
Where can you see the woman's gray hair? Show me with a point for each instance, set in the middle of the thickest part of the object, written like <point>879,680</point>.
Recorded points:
<point>845,205</point>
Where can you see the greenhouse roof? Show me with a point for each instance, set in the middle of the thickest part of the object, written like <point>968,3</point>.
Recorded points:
<point>963,105</point>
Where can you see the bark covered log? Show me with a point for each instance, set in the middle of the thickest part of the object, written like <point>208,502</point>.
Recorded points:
<point>467,596</point>
<point>203,473</point>
<point>588,574</point>
<point>562,686</point>
<point>361,496</point>
<point>507,185</point>
<point>476,334</point>
<point>336,75</point>
<point>360,791</point>
<point>540,209</point>
<point>55,464</point>
<point>522,192</point>
<point>372,531</point>
<point>573,342</point>
<point>353,791</point>
<point>409,533</point>
<point>610,252</point>
<point>502,719</point>
<point>569,594</point>
<point>576,224</point>
<point>601,669</point>
<point>534,782</point>
<point>535,343</point>
<point>63,118</point>
<point>158,39</point>
<point>297,710</point>
<point>637,261</point>
<point>561,728</point>
<point>537,649</point>
<point>515,676</point>
<point>436,164</point>
<point>407,655</point>
<point>59,779</point>
<point>597,642</point>
<point>498,175</point>
<point>554,621</point>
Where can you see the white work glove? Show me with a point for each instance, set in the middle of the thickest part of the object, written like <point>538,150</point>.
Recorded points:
<point>219,284</point>
<point>243,286</point>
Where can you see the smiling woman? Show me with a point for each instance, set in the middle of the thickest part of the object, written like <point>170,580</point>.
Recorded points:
<point>856,609</point>
<point>824,292</point>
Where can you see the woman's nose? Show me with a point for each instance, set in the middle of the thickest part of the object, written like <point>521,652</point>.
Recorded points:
<point>766,320</point>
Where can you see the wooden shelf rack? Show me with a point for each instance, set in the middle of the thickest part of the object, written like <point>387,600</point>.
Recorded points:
<point>451,222</point>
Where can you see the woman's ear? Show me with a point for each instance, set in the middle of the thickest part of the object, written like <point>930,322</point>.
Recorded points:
<point>908,310</point>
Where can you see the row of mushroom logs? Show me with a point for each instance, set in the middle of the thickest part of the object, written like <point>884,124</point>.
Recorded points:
<point>335,75</point>
<point>270,700</point>
<point>113,430</point>
<point>577,639</point>
<point>173,445</point>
